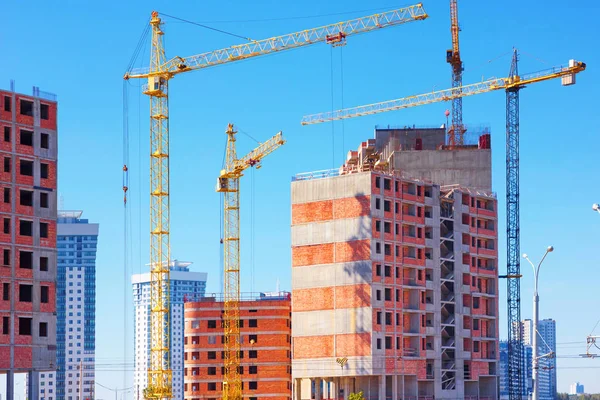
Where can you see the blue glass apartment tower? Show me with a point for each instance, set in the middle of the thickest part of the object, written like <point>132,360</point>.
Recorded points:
<point>185,284</point>
<point>76,243</point>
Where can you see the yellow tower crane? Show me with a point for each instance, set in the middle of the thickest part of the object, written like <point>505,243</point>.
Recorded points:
<point>229,184</point>
<point>567,73</point>
<point>158,74</point>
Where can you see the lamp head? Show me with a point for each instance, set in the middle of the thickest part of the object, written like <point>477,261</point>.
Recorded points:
<point>595,206</point>
<point>550,249</point>
<point>524,255</point>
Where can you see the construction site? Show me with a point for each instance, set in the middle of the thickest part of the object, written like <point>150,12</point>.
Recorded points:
<point>396,277</point>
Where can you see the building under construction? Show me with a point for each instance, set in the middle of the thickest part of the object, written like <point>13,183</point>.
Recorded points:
<point>395,271</point>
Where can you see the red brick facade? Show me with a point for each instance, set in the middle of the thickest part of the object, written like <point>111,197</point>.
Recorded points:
<point>266,349</point>
<point>27,230</point>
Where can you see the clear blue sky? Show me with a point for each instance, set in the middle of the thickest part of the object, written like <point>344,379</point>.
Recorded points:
<point>80,50</point>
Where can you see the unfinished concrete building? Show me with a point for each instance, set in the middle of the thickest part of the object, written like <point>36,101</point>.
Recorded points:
<point>394,276</point>
<point>28,238</point>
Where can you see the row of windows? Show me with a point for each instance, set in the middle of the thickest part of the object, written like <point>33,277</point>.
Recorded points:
<point>407,251</point>
<point>212,386</point>
<point>25,260</point>
<point>212,324</point>
<point>26,137</point>
<point>25,293</point>
<point>212,355</point>
<point>252,370</point>
<point>408,188</point>
<point>407,230</point>
<point>26,108</point>
<point>25,327</point>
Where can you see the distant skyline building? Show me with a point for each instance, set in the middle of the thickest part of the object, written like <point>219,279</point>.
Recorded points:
<point>77,241</point>
<point>527,376</point>
<point>184,283</point>
<point>576,388</point>
<point>546,344</point>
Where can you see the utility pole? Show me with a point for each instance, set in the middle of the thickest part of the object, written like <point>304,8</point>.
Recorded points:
<point>536,308</point>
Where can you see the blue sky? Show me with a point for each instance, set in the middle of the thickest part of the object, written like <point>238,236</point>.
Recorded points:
<point>79,50</point>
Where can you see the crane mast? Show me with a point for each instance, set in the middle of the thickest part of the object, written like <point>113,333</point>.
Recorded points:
<point>229,184</point>
<point>457,129</point>
<point>159,371</point>
<point>158,75</point>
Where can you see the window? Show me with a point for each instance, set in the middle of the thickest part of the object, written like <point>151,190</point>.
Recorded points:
<point>5,325</point>
<point>388,294</point>
<point>475,324</point>
<point>212,370</point>
<point>378,344</point>
<point>377,226</point>
<point>43,329</point>
<point>44,290</point>
<point>26,137</point>
<point>387,184</point>
<point>253,323</point>
<point>44,140</point>
<point>6,225</point>
<point>378,317</point>
<point>378,295</point>
<point>212,355</point>
<point>397,295</point>
<point>253,354</point>
<point>6,257</point>
<point>388,271</point>
<point>44,111</point>
<point>26,198</point>
<point>388,318</point>
<point>388,250</point>
<point>397,319</point>
<point>253,338</point>
<point>475,302</point>
<point>25,228</point>
<point>476,347</point>
<point>253,369</point>
<point>25,293</point>
<point>387,227</point>
<point>43,229</point>
<point>388,342</point>
<point>6,164</point>
<point>26,107</point>
<point>7,195</point>
<point>378,270</point>
<point>43,263</point>
<point>43,170</point>
<point>7,103</point>
<point>377,204</point>
<point>212,324</point>
<point>6,291</point>
<point>212,386</point>
<point>253,385</point>
<point>387,206</point>
<point>25,326</point>
<point>377,247</point>
<point>43,200</point>
<point>26,167</point>
<point>377,182</point>
<point>7,134</point>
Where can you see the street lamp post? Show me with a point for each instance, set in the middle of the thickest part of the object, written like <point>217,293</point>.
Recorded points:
<point>536,308</point>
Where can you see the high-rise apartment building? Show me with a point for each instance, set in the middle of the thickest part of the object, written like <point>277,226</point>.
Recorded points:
<point>265,359</point>
<point>394,276</point>
<point>546,345</point>
<point>184,283</point>
<point>77,242</point>
<point>28,148</point>
<point>527,385</point>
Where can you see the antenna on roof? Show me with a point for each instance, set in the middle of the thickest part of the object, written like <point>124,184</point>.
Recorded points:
<point>61,205</point>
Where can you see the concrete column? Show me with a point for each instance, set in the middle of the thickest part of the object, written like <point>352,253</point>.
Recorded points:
<point>297,389</point>
<point>318,389</point>
<point>346,383</point>
<point>33,385</point>
<point>381,387</point>
<point>10,385</point>
<point>395,387</point>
